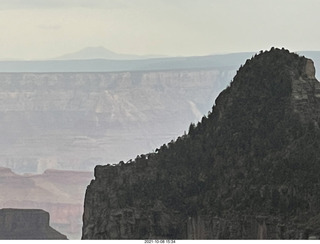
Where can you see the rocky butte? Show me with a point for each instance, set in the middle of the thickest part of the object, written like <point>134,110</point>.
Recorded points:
<point>26,224</point>
<point>248,170</point>
<point>60,193</point>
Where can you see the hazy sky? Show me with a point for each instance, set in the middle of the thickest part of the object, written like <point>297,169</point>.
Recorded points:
<point>36,29</point>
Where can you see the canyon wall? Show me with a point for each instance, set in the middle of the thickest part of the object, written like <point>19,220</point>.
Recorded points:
<point>73,121</point>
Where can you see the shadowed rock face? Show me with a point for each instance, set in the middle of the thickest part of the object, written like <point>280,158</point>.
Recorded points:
<point>27,224</point>
<point>248,171</point>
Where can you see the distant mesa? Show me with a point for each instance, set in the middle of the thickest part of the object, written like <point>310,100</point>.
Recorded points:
<point>27,224</point>
<point>102,53</point>
<point>5,172</point>
<point>102,60</point>
<point>58,192</point>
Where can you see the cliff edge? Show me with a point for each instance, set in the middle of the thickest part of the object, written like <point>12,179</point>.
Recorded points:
<point>27,224</point>
<point>248,170</point>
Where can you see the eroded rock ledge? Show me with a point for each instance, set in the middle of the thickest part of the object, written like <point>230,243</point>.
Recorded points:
<point>26,224</point>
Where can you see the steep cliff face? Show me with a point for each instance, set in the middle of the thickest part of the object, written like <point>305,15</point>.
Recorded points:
<point>26,224</point>
<point>248,170</point>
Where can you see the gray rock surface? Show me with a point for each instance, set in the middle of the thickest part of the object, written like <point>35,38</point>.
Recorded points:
<point>27,224</point>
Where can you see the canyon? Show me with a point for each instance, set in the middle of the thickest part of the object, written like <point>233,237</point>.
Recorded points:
<point>55,127</point>
<point>73,121</point>
<point>64,118</point>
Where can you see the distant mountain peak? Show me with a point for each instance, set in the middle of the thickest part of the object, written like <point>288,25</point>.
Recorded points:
<point>99,52</point>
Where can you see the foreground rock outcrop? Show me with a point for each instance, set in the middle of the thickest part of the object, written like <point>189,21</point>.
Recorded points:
<point>248,170</point>
<point>27,224</point>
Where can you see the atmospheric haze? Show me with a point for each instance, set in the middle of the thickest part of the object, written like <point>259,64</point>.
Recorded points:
<point>47,29</point>
<point>53,119</point>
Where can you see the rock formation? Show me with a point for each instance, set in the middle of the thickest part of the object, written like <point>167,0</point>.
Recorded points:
<point>60,193</point>
<point>72,121</point>
<point>27,224</point>
<point>248,170</point>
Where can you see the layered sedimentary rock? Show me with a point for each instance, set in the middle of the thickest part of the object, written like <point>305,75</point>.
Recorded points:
<point>71,121</point>
<point>26,224</point>
<point>60,193</point>
<point>248,170</point>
